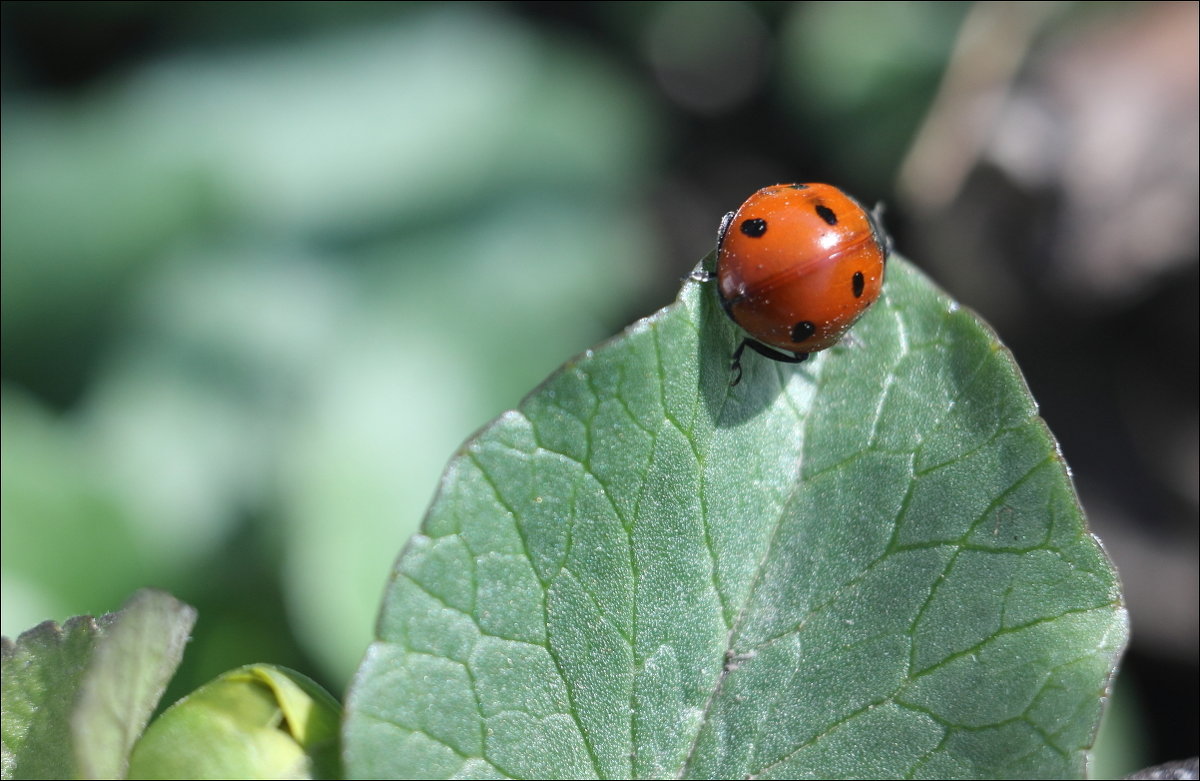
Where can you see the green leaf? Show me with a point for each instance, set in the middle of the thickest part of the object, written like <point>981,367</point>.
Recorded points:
<point>77,697</point>
<point>42,674</point>
<point>259,721</point>
<point>130,669</point>
<point>869,565</point>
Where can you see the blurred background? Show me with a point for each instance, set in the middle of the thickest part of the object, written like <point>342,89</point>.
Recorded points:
<point>266,265</point>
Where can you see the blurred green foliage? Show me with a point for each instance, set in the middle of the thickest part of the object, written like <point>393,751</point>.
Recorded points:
<point>860,75</point>
<point>254,296</point>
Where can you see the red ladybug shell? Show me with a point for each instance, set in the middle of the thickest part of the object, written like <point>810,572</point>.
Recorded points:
<point>797,264</point>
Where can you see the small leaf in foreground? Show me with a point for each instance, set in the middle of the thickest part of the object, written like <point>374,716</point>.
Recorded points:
<point>870,565</point>
<point>258,721</point>
<point>76,697</point>
<point>42,673</point>
<point>130,669</point>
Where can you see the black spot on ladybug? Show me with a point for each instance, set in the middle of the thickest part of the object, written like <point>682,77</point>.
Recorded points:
<point>798,186</point>
<point>803,330</point>
<point>827,214</point>
<point>753,227</point>
<point>857,283</point>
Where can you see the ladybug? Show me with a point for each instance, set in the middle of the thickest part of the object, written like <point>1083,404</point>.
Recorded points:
<point>797,264</point>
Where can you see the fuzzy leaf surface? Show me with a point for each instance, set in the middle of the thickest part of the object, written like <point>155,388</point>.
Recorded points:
<point>872,564</point>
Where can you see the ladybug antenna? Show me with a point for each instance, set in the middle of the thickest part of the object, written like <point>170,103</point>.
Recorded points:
<point>724,228</point>
<point>876,218</point>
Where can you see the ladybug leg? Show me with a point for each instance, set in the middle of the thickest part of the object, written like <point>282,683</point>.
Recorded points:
<point>735,362</point>
<point>701,273</point>
<point>772,353</point>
